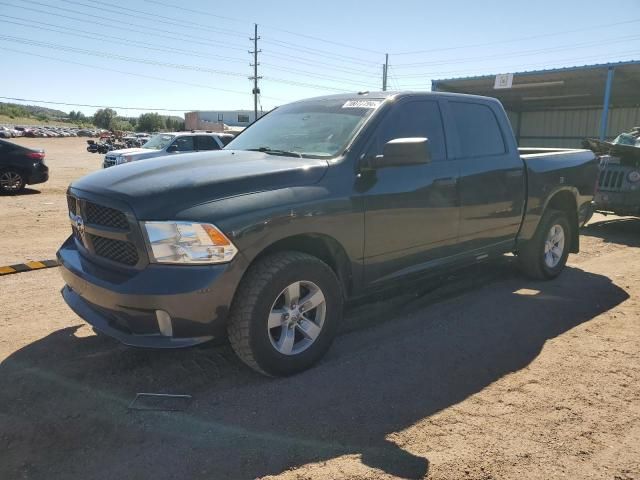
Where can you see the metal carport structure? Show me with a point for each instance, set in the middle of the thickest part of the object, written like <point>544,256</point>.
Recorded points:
<point>560,107</point>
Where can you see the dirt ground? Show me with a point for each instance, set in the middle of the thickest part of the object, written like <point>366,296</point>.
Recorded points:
<point>486,375</point>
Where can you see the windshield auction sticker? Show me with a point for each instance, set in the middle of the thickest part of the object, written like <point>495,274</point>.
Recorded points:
<point>362,104</point>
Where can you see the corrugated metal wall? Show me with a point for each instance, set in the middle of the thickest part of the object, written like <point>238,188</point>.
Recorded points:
<point>567,128</point>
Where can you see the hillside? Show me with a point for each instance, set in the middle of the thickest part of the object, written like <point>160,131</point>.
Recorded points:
<point>13,109</point>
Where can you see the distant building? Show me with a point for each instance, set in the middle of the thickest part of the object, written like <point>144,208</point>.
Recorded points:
<point>215,120</point>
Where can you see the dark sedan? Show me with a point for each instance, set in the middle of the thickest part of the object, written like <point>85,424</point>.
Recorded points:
<point>20,166</point>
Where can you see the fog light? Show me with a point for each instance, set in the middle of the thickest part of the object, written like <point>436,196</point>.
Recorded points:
<point>164,323</point>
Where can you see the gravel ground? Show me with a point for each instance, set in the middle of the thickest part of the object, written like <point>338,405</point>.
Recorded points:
<point>486,375</point>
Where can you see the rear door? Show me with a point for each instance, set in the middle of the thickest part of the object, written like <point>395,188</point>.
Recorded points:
<point>184,144</point>
<point>492,181</point>
<point>206,142</point>
<point>411,212</point>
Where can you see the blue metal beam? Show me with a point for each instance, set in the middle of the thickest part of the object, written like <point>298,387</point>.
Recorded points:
<point>604,121</point>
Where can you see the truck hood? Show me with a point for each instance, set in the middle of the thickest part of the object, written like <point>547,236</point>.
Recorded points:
<point>162,187</point>
<point>131,151</point>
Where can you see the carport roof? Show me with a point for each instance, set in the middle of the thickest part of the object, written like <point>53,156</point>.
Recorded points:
<point>569,87</point>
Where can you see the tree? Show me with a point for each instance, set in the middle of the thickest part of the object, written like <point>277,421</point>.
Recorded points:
<point>173,124</point>
<point>104,118</point>
<point>77,116</point>
<point>150,122</point>
<point>121,124</point>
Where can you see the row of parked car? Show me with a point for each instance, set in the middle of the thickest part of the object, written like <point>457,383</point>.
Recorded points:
<point>46,131</point>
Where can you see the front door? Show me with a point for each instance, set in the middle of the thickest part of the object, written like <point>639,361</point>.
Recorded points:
<point>411,212</point>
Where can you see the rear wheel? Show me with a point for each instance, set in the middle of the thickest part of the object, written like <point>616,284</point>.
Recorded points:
<point>285,313</point>
<point>545,255</point>
<point>11,182</point>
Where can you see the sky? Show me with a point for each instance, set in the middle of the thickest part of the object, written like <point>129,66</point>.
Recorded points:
<point>150,55</point>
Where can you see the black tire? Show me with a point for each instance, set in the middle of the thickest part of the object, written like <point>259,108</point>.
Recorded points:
<point>11,182</point>
<point>531,257</point>
<point>262,286</point>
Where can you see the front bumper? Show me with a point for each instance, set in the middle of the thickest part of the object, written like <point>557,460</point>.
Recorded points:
<point>622,202</point>
<point>125,303</point>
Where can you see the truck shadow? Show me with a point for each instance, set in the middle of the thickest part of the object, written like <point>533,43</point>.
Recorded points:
<point>623,231</point>
<point>64,398</point>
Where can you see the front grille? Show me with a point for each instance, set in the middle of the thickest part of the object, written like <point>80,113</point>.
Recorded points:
<point>105,216</point>
<point>611,179</point>
<point>98,218</point>
<point>116,250</point>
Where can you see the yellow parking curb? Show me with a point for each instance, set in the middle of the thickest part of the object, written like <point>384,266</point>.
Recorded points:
<point>27,267</point>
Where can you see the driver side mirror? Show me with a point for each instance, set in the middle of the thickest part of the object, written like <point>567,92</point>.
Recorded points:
<point>403,151</point>
<point>172,148</point>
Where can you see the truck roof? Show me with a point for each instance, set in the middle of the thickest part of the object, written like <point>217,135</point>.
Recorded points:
<point>396,95</point>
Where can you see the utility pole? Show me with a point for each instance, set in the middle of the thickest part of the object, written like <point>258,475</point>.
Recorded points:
<point>385,72</point>
<point>255,78</point>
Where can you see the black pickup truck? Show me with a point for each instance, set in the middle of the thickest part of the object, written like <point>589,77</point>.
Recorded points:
<point>317,202</point>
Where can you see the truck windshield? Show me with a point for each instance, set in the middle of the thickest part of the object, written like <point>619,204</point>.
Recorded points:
<point>314,129</point>
<point>158,142</point>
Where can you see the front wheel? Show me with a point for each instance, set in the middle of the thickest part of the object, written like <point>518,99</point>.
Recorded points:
<point>545,255</point>
<point>285,313</point>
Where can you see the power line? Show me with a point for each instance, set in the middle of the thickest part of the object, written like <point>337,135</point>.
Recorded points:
<point>149,46</point>
<point>196,68</point>
<point>315,63</point>
<point>186,38</point>
<point>521,53</point>
<point>51,102</point>
<point>302,35</point>
<point>560,62</point>
<point>140,75</point>
<point>531,37</point>
<point>186,24</point>
<point>318,52</point>
<point>163,19</point>
<point>120,40</point>
<point>120,23</point>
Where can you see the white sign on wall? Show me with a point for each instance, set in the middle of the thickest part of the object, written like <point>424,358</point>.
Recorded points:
<point>503,80</point>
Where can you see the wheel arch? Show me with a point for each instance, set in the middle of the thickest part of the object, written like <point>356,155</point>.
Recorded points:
<point>566,200</point>
<point>319,245</point>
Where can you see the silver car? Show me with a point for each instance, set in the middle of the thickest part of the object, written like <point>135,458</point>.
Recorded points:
<point>163,144</point>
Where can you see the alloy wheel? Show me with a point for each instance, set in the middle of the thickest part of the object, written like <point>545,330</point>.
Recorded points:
<point>296,318</point>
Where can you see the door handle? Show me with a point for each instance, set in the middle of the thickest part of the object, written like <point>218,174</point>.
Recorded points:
<point>445,182</point>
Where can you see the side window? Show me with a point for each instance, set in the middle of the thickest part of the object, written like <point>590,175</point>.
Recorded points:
<point>414,119</point>
<point>207,143</point>
<point>184,144</point>
<point>221,117</point>
<point>243,118</point>
<point>478,129</point>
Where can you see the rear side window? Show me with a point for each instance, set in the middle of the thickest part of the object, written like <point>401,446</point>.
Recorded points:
<point>207,143</point>
<point>478,129</point>
<point>184,144</point>
<point>414,119</point>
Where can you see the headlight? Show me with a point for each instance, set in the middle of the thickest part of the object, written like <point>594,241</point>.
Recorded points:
<point>634,176</point>
<point>123,159</point>
<point>185,242</point>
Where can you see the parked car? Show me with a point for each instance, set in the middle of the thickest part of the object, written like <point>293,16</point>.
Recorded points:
<point>20,166</point>
<point>319,201</point>
<point>619,179</point>
<point>6,132</point>
<point>163,144</point>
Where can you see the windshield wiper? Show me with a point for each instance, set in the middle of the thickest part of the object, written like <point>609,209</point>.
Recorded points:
<point>272,151</point>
